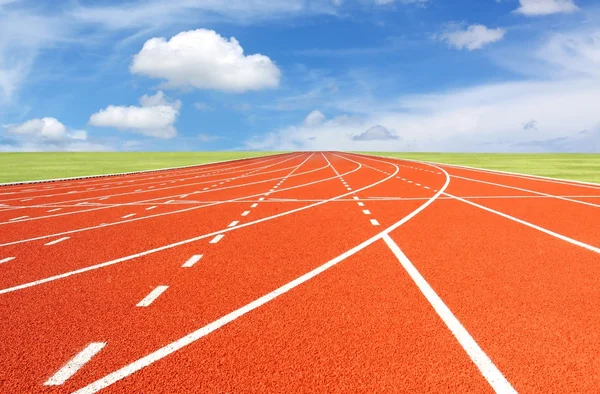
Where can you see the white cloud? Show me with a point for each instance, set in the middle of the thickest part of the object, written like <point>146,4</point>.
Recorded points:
<point>203,59</point>
<point>546,7</point>
<point>154,118</point>
<point>46,134</point>
<point>471,38</point>
<point>376,133</point>
<point>202,107</point>
<point>315,118</point>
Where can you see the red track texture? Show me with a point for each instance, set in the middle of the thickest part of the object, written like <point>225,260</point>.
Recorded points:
<point>320,272</point>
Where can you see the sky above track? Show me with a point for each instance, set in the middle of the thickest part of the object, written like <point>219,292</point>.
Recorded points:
<point>392,75</point>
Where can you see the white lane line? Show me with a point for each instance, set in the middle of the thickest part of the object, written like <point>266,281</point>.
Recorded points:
<point>485,365</point>
<point>355,197</point>
<point>418,184</point>
<point>409,181</point>
<point>261,199</point>
<point>54,210</point>
<point>192,260</point>
<point>361,204</point>
<point>214,186</point>
<point>128,216</point>
<point>6,260</point>
<point>275,187</point>
<point>234,223</point>
<point>139,190</point>
<point>245,213</point>
<point>366,212</point>
<point>26,199</point>
<point>75,364</point>
<point>194,336</point>
<point>254,205</point>
<point>19,218</point>
<point>549,232</point>
<point>56,241</point>
<point>206,188</point>
<point>217,238</point>
<point>374,222</point>
<point>170,201</point>
<point>151,208</point>
<point>183,196</point>
<point>426,187</point>
<point>103,198</point>
<point>150,298</point>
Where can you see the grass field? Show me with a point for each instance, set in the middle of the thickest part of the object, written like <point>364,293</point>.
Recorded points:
<point>580,167</point>
<point>35,166</point>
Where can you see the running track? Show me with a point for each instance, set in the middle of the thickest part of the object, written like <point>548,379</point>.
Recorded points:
<point>301,272</point>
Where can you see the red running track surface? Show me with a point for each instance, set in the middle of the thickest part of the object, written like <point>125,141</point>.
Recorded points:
<point>303,272</point>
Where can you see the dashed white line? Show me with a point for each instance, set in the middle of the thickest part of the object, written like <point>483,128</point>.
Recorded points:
<point>128,216</point>
<point>183,196</point>
<point>150,298</point>
<point>418,184</point>
<point>234,223</point>
<point>56,241</point>
<point>374,222</point>
<point>103,198</point>
<point>245,213</point>
<point>217,238</point>
<point>355,197</point>
<point>192,260</point>
<point>6,260</point>
<point>426,187</point>
<point>361,204</point>
<point>75,364</point>
<point>151,208</point>
<point>254,205</point>
<point>170,201</point>
<point>261,199</point>
<point>54,210</point>
<point>366,212</point>
<point>26,199</point>
<point>19,218</point>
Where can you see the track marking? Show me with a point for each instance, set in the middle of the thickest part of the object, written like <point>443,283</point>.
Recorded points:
<point>192,260</point>
<point>152,296</point>
<point>485,365</point>
<point>19,218</point>
<point>6,260</point>
<point>151,208</point>
<point>245,213</point>
<point>128,216</point>
<point>194,336</point>
<point>361,204</point>
<point>103,198</point>
<point>217,238</point>
<point>366,212</point>
<point>549,232</point>
<point>261,199</point>
<point>418,184</point>
<point>183,196</point>
<point>355,197</point>
<point>170,201</point>
<point>56,241</point>
<point>234,223</point>
<point>254,205</point>
<point>374,222</point>
<point>75,364</point>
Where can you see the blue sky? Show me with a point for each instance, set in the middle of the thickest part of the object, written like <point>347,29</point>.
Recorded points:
<point>402,75</point>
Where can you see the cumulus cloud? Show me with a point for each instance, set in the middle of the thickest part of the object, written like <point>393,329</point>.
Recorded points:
<point>46,134</point>
<point>154,118</point>
<point>471,38</point>
<point>314,118</point>
<point>376,133</point>
<point>546,7</point>
<point>202,59</point>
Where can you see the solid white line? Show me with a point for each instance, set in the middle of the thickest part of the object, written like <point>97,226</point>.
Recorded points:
<point>75,364</point>
<point>56,241</point>
<point>234,223</point>
<point>485,365</point>
<point>151,208</point>
<point>374,222</point>
<point>183,196</point>
<point>245,213</point>
<point>549,232</point>
<point>150,298</point>
<point>170,201</point>
<point>366,212</point>
<point>128,216</point>
<point>103,198</point>
<point>19,218</point>
<point>192,337</point>
<point>217,238</point>
<point>6,260</point>
<point>192,260</point>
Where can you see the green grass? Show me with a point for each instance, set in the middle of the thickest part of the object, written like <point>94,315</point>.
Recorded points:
<point>35,166</point>
<point>580,167</point>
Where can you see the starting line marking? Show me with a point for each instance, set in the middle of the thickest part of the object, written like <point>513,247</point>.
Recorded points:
<point>56,241</point>
<point>75,364</point>
<point>192,260</point>
<point>150,298</point>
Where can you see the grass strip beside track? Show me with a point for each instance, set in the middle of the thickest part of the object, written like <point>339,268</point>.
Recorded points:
<point>574,166</point>
<point>48,165</point>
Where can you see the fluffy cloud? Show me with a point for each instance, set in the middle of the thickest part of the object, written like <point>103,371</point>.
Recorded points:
<point>46,134</point>
<point>314,118</point>
<point>203,59</point>
<point>376,133</point>
<point>471,38</point>
<point>154,118</point>
<point>546,7</point>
